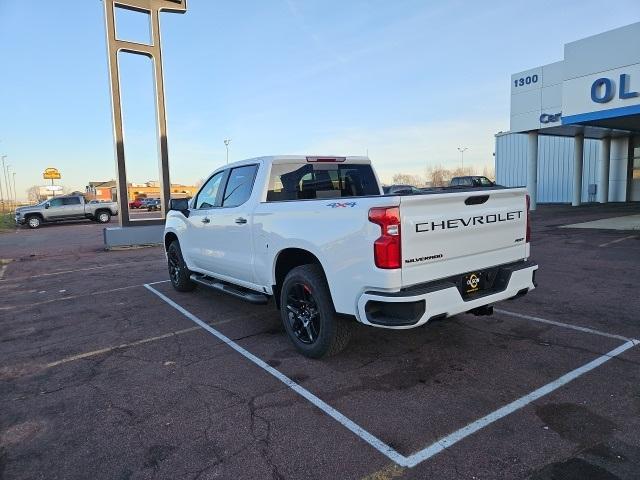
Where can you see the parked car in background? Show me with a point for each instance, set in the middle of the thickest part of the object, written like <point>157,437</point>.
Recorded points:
<point>400,189</point>
<point>137,203</point>
<point>471,181</point>
<point>316,235</point>
<point>70,207</point>
<point>153,204</point>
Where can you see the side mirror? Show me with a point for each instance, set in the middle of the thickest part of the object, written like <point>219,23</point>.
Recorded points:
<point>47,205</point>
<point>180,205</point>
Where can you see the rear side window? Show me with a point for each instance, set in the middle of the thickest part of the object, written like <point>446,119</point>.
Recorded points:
<point>239,186</point>
<point>311,181</point>
<point>71,201</point>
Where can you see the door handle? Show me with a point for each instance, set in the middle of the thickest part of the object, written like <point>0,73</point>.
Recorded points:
<point>205,220</point>
<point>241,221</point>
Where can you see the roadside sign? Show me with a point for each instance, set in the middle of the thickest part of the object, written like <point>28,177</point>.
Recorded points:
<point>53,188</point>
<point>51,174</point>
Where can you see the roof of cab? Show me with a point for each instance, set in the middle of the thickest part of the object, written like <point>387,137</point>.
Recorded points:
<point>295,159</point>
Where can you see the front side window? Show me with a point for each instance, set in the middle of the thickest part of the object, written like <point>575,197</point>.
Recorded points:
<point>239,186</point>
<point>208,195</point>
<point>313,181</point>
<point>71,201</point>
<point>55,202</point>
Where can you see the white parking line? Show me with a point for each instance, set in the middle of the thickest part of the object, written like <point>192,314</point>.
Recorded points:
<point>3,266</point>
<point>119,347</point>
<point>62,272</point>
<point>561,324</point>
<point>455,437</point>
<point>84,295</point>
<point>326,408</point>
<point>443,443</point>
<point>616,241</point>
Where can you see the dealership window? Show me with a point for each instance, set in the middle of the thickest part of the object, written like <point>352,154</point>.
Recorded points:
<point>313,181</point>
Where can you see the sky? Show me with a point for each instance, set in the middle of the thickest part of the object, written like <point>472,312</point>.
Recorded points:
<point>406,81</point>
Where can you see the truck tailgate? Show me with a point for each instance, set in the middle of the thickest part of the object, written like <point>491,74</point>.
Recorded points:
<point>445,234</point>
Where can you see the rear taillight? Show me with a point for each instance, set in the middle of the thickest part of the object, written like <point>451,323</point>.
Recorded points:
<point>386,249</point>
<point>528,219</point>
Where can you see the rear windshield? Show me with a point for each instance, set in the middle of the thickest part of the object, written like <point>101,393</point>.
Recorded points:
<point>304,182</point>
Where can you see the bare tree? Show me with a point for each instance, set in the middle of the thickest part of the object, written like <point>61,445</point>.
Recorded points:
<point>408,179</point>
<point>33,194</point>
<point>489,171</point>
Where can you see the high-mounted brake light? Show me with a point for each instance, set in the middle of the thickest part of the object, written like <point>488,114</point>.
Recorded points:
<point>528,238</point>
<point>326,159</point>
<point>387,251</point>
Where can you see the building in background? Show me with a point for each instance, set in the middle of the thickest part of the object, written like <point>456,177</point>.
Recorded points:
<point>575,124</point>
<point>107,191</point>
<point>103,191</point>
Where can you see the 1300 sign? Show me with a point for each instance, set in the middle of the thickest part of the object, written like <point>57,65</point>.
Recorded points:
<point>528,80</point>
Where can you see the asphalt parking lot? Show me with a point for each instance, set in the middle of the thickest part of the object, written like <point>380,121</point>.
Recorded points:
<point>106,373</point>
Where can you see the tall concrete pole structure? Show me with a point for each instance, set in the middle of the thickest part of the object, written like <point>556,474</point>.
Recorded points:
<point>532,170</point>
<point>152,51</point>
<point>578,154</point>
<point>603,171</point>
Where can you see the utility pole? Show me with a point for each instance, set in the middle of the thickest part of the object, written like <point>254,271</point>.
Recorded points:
<point>15,195</point>
<point>1,192</point>
<point>9,193</point>
<point>227,141</point>
<point>462,150</point>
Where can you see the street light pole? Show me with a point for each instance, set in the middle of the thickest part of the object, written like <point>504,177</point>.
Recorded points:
<point>227,141</point>
<point>15,195</point>
<point>5,177</point>
<point>462,150</point>
<point>8,183</point>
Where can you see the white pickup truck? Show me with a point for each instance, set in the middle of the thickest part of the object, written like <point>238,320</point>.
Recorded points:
<point>318,235</point>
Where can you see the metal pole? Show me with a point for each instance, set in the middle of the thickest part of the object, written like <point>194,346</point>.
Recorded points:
<point>227,141</point>
<point>9,190</point>
<point>1,192</point>
<point>462,150</point>
<point>15,195</point>
<point>6,183</point>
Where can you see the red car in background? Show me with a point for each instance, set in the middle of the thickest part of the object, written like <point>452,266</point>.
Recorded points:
<point>137,203</point>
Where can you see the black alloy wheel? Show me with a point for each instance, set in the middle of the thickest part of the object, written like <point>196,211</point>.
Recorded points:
<point>303,315</point>
<point>179,274</point>
<point>308,314</point>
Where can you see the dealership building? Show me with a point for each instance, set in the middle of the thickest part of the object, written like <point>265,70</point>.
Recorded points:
<point>575,124</point>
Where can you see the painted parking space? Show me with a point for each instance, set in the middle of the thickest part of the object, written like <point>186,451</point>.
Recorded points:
<point>436,409</point>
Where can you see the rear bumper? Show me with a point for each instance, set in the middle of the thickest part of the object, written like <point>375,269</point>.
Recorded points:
<point>415,306</point>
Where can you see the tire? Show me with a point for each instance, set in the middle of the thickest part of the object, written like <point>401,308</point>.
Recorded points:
<point>103,216</point>
<point>305,297</point>
<point>178,271</point>
<point>34,221</point>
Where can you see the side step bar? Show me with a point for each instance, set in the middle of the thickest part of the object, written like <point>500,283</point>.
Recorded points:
<point>238,292</point>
